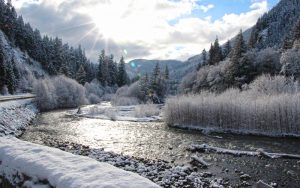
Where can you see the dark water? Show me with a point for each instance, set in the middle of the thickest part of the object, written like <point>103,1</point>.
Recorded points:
<point>156,141</point>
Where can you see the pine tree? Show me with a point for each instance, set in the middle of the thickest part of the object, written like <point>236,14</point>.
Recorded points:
<point>155,75</point>
<point>100,67</point>
<point>144,88</point>
<point>227,49</point>
<point>211,55</point>
<point>218,55</point>
<point>122,78</point>
<point>81,75</point>
<point>2,70</point>
<point>113,71</point>
<point>166,76</point>
<point>239,47</point>
<point>296,31</point>
<point>15,70</point>
<point>204,59</point>
<point>10,79</point>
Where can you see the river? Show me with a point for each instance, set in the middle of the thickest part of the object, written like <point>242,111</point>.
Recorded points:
<point>154,140</point>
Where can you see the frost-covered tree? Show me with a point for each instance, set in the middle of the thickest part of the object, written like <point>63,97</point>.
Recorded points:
<point>81,75</point>
<point>290,61</point>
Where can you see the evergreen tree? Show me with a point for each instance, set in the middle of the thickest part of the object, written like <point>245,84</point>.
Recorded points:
<point>10,79</point>
<point>100,67</point>
<point>113,71</point>
<point>144,88</point>
<point>296,31</point>
<point>227,49</point>
<point>239,64</point>
<point>166,72</point>
<point>239,47</point>
<point>218,55</point>
<point>81,75</point>
<point>204,59</point>
<point>122,78</point>
<point>2,70</point>
<point>211,55</point>
<point>155,75</point>
<point>15,70</point>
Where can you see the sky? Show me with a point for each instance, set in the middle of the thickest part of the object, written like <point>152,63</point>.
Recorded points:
<point>147,29</point>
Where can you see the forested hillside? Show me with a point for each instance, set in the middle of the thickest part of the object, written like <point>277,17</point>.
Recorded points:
<point>22,46</point>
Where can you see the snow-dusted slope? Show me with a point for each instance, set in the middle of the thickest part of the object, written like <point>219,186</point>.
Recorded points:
<point>61,169</point>
<point>15,116</point>
<point>29,69</point>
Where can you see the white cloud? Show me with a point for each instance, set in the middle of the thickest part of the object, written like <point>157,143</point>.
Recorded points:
<point>142,27</point>
<point>207,7</point>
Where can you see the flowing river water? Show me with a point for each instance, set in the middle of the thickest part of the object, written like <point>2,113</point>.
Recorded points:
<point>154,140</point>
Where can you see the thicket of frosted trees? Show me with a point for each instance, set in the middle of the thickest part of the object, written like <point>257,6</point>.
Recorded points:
<point>271,106</point>
<point>147,89</point>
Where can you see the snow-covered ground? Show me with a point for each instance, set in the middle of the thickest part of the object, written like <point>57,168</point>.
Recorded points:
<point>15,116</point>
<point>30,164</point>
<point>117,113</point>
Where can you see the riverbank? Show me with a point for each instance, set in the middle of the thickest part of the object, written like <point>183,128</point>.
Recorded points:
<point>26,164</point>
<point>15,115</point>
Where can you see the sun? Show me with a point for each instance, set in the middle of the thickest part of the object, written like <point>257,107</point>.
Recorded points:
<point>108,18</point>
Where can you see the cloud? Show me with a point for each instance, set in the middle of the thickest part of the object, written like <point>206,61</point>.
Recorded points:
<point>142,27</point>
<point>207,7</point>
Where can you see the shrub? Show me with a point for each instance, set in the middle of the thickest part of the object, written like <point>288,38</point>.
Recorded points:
<point>126,96</point>
<point>59,92</point>
<point>146,110</point>
<point>265,108</point>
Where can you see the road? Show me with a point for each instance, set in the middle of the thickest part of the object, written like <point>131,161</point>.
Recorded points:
<point>16,97</point>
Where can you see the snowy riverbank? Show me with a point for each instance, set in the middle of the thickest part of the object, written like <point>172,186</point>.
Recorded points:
<point>15,116</point>
<point>134,113</point>
<point>26,164</point>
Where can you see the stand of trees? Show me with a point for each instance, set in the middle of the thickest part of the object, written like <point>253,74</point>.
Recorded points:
<point>147,89</point>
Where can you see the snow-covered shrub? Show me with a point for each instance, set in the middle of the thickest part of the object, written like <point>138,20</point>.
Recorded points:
<point>4,90</point>
<point>94,88</point>
<point>126,96</point>
<point>272,111</point>
<point>146,110</point>
<point>124,101</point>
<point>290,61</point>
<point>93,99</point>
<point>187,82</point>
<point>274,85</point>
<point>266,61</point>
<point>59,92</point>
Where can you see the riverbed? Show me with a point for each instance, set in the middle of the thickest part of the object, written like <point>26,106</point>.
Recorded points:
<point>154,140</point>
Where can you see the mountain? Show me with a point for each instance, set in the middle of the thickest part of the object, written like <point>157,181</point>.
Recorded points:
<point>140,67</point>
<point>275,26</point>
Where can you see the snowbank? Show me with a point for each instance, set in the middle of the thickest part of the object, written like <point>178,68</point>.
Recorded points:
<point>15,116</point>
<point>61,169</point>
<point>116,113</point>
